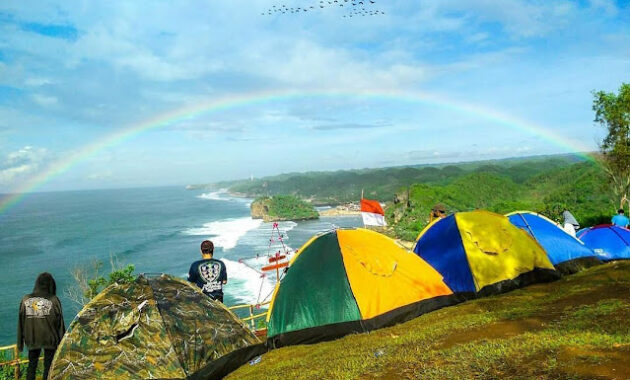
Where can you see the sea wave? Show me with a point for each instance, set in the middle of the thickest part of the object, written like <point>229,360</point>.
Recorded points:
<point>283,227</point>
<point>225,233</point>
<point>224,196</point>
<point>258,240</point>
<point>245,284</point>
<point>218,195</point>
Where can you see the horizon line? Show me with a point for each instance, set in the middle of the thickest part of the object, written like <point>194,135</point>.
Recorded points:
<point>579,155</point>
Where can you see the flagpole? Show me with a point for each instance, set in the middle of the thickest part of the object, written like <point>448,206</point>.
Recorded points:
<point>363,219</point>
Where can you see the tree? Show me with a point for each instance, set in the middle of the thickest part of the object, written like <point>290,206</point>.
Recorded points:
<point>89,281</point>
<point>612,111</point>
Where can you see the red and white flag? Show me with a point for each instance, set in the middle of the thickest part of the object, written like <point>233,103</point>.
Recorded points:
<point>372,213</point>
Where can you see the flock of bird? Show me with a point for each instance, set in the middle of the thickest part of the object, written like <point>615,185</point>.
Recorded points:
<point>356,8</point>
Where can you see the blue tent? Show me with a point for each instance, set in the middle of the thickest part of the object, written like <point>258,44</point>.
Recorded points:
<point>609,242</point>
<point>565,252</point>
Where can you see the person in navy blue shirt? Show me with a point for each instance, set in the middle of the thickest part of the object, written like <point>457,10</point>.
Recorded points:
<point>620,219</point>
<point>209,274</point>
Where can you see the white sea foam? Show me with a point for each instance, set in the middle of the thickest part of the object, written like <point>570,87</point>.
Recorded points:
<point>266,231</point>
<point>225,233</point>
<point>224,195</point>
<point>258,239</point>
<point>287,226</point>
<point>263,259</point>
<point>282,226</point>
<point>246,284</point>
<point>213,196</point>
<point>256,262</point>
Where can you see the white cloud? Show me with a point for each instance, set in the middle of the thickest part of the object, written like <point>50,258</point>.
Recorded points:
<point>308,65</point>
<point>21,163</point>
<point>37,82</point>
<point>477,37</point>
<point>337,126</point>
<point>100,176</point>
<point>44,100</point>
<point>520,18</point>
<point>464,153</point>
<point>117,47</point>
<point>608,6</point>
<point>430,155</point>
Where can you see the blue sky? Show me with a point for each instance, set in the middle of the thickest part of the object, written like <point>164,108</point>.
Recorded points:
<point>75,72</point>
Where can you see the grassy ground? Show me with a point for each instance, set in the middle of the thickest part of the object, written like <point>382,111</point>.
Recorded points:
<point>575,328</point>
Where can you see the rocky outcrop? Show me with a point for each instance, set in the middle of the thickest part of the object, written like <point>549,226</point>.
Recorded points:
<point>259,209</point>
<point>282,207</point>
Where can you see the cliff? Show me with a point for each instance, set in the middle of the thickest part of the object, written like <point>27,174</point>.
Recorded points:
<point>282,207</point>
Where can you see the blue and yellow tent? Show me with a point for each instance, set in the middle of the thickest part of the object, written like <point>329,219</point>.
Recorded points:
<point>608,241</point>
<point>480,253</point>
<point>351,280</point>
<point>566,253</point>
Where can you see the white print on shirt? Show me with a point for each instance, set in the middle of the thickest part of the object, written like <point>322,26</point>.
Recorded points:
<point>212,286</point>
<point>37,307</point>
<point>210,273</point>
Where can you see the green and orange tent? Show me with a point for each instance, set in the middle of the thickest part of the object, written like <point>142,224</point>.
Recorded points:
<point>351,280</point>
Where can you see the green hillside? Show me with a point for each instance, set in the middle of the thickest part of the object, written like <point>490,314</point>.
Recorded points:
<point>580,188</point>
<point>345,186</point>
<point>574,328</point>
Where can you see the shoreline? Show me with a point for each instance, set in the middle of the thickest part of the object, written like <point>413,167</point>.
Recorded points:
<point>350,209</point>
<point>336,211</point>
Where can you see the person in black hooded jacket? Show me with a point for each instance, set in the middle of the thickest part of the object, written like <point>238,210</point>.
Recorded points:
<point>40,324</point>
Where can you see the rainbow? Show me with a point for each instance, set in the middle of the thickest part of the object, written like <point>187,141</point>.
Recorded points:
<point>217,105</point>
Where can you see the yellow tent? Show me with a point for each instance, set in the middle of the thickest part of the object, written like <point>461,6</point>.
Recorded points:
<point>480,252</point>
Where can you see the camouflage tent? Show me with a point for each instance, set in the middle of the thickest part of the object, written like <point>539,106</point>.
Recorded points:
<point>158,327</point>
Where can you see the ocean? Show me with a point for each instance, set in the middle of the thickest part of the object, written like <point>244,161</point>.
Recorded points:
<point>156,229</point>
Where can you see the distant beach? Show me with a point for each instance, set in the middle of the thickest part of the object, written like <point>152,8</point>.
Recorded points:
<point>349,209</point>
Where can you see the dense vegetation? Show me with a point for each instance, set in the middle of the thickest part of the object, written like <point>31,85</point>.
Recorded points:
<point>332,188</point>
<point>543,184</point>
<point>574,328</point>
<point>283,207</point>
<point>581,188</point>
<point>547,185</point>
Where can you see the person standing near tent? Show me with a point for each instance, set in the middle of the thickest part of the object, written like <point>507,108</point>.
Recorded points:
<point>620,219</point>
<point>40,324</point>
<point>437,212</point>
<point>209,274</point>
<point>570,223</point>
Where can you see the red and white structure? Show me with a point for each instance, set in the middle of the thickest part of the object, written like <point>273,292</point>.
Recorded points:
<point>372,213</point>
